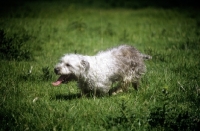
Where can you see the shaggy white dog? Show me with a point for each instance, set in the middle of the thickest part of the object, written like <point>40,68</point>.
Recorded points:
<point>119,66</point>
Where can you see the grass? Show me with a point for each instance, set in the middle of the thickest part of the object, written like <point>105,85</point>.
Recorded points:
<point>168,98</point>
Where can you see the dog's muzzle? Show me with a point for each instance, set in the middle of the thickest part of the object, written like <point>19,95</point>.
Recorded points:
<point>56,70</point>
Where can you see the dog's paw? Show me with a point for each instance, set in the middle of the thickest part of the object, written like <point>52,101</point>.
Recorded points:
<point>117,91</point>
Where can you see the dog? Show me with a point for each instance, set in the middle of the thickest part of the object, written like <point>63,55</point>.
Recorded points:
<point>108,72</point>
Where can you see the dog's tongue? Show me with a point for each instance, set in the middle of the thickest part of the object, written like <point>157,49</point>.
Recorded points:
<point>59,81</point>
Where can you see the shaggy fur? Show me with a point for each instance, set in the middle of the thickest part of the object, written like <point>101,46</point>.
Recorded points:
<point>120,66</point>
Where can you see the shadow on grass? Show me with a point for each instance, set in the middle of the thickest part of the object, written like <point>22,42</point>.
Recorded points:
<point>76,96</point>
<point>67,96</point>
<point>7,120</point>
<point>134,4</point>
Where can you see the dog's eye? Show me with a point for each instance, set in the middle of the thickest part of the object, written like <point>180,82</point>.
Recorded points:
<point>67,65</point>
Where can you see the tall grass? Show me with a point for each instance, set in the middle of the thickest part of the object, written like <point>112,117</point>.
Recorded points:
<point>168,97</point>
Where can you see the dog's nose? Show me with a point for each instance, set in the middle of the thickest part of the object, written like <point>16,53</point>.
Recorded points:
<point>56,70</point>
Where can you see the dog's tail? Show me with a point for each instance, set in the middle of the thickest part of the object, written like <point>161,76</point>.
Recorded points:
<point>146,57</point>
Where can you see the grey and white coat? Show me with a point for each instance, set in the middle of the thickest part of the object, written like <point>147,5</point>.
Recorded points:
<point>119,66</point>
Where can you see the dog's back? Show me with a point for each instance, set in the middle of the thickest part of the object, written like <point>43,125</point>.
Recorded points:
<point>130,62</point>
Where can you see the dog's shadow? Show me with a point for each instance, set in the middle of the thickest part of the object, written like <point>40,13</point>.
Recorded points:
<point>67,96</point>
<point>74,96</point>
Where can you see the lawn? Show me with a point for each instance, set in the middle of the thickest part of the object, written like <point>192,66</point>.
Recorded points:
<point>34,35</point>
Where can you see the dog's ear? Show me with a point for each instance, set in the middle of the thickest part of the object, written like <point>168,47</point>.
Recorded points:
<point>85,64</point>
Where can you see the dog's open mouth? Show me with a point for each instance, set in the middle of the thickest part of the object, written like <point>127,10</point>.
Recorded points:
<point>60,80</point>
<point>64,79</point>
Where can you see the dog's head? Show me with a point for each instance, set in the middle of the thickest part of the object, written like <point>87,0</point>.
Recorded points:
<point>70,67</point>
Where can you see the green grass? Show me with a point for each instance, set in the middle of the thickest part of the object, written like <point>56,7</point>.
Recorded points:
<point>169,94</point>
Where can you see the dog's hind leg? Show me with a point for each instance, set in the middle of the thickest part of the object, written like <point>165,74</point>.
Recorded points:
<point>121,87</point>
<point>115,90</point>
<point>135,85</point>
